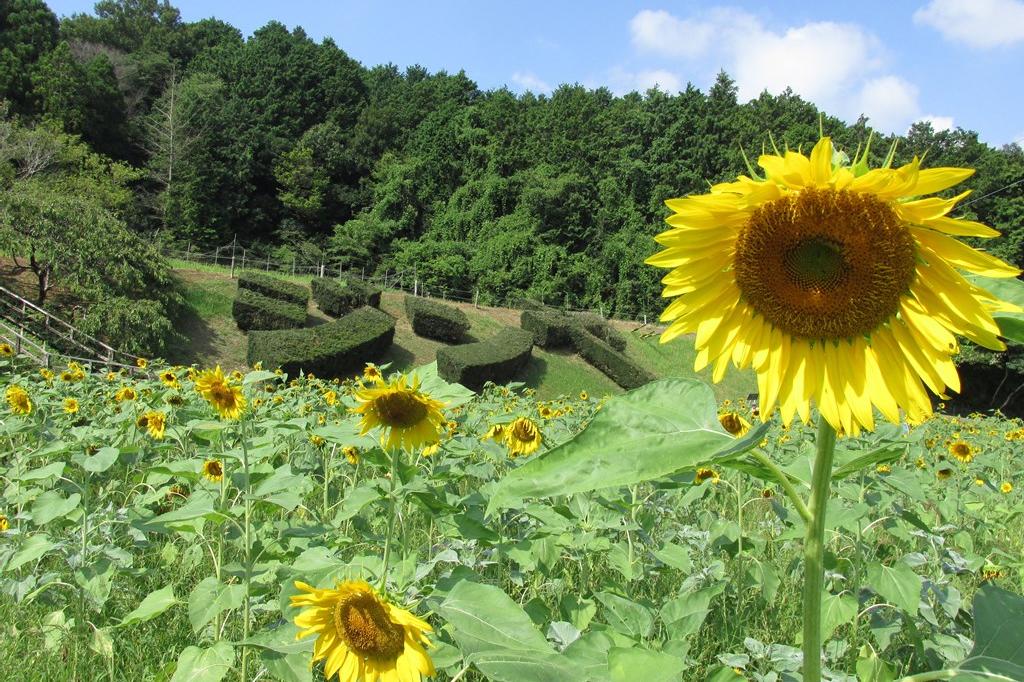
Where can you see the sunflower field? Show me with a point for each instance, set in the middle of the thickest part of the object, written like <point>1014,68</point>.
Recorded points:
<point>183,525</point>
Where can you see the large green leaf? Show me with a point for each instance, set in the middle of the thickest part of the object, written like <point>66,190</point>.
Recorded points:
<point>153,605</point>
<point>498,637</point>
<point>204,665</point>
<point>628,665</point>
<point>998,645</point>
<point>52,505</point>
<point>452,395</point>
<point>210,598</point>
<point>33,548</point>
<point>648,433</point>
<point>898,585</point>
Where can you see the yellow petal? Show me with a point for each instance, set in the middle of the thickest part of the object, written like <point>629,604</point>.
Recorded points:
<point>937,179</point>
<point>820,170</point>
<point>962,256</point>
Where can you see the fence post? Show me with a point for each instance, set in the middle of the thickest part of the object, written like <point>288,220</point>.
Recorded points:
<point>385,278</point>
<point>188,252</point>
<point>216,256</point>
<point>340,271</point>
<point>476,298</point>
<point>232,263</point>
<point>293,266</point>
<point>362,272</point>
<point>415,286</point>
<point>268,264</point>
<point>243,259</point>
<point>600,309</point>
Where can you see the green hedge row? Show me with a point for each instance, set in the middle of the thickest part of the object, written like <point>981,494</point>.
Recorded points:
<point>550,328</point>
<point>599,327</point>
<point>614,364</point>
<point>274,287</point>
<point>497,359</point>
<point>338,296</point>
<point>336,349</point>
<point>253,310</point>
<point>436,320</point>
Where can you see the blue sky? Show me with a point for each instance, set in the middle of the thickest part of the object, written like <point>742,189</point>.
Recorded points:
<point>956,62</point>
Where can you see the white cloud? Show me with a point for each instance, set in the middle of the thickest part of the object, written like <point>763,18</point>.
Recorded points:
<point>939,123</point>
<point>838,66</point>
<point>622,80</point>
<point>977,23</point>
<point>817,60</point>
<point>528,81</point>
<point>889,102</point>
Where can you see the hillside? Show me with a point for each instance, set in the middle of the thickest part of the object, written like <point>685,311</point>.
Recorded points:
<point>213,338</point>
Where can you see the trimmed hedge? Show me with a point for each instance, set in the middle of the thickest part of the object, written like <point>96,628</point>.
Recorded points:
<point>497,359</point>
<point>550,329</point>
<point>599,327</point>
<point>436,320</point>
<point>338,296</point>
<point>252,310</point>
<point>274,287</point>
<point>614,364</point>
<point>336,349</point>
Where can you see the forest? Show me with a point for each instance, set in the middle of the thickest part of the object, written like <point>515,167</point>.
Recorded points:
<point>202,136</point>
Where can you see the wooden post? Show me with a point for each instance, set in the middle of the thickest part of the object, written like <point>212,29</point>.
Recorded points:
<point>188,252</point>
<point>268,264</point>
<point>385,278</point>
<point>216,256</point>
<point>476,298</point>
<point>243,259</point>
<point>233,241</point>
<point>415,286</point>
<point>600,309</point>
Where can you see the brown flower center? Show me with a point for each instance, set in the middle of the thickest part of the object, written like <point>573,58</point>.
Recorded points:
<point>731,423</point>
<point>214,469</point>
<point>362,621</point>
<point>825,264</point>
<point>400,409</point>
<point>524,431</point>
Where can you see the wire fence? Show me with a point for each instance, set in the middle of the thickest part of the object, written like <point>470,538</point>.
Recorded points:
<point>235,258</point>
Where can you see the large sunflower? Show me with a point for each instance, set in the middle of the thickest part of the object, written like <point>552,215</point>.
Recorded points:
<point>360,636</point>
<point>225,398</point>
<point>835,282</point>
<point>409,417</point>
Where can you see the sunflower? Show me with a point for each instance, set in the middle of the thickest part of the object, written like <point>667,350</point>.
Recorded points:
<point>5,523</point>
<point>431,450</point>
<point>156,424</point>
<point>545,412</point>
<point>351,453</point>
<point>6,350</point>
<point>372,373</point>
<point>1006,488</point>
<point>317,441</point>
<point>110,376</point>
<point>584,396</point>
<point>18,400</point>
<point>835,282</point>
<point>125,393</point>
<point>331,398</point>
<point>706,474</point>
<point>409,417</point>
<point>883,469</point>
<point>522,437</point>
<point>70,405</point>
<point>944,473</point>
<point>213,470</point>
<point>961,451</point>
<point>496,432</point>
<point>168,378</point>
<point>225,398</point>
<point>360,636</point>
<point>141,363</point>
<point>46,374</point>
<point>734,423</point>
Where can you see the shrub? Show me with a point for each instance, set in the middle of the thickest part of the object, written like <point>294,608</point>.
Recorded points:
<point>336,349</point>
<point>550,328</point>
<point>599,327</point>
<point>274,287</point>
<point>342,295</point>
<point>614,364</point>
<point>497,359</point>
<point>252,310</point>
<point>436,320</point>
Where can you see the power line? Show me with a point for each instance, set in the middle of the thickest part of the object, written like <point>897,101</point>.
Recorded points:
<point>985,196</point>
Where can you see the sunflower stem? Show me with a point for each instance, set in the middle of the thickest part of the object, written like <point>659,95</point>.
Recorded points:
<point>814,549</point>
<point>391,521</point>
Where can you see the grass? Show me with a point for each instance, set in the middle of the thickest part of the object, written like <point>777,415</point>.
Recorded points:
<point>213,339</point>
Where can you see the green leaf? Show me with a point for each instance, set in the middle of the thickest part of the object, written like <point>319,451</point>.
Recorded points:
<point>683,615</point>
<point>51,505</point>
<point>33,548</point>
<point>452,395</point>
<point>1011,325</point>
<point>648,433</point>
<point>204,665</point>
<point>853,462</point>
<point>287,667</point>
<point>153,605</point>
<point>898,585</point>
<point>998,622</point>
<point>496,635</point>
<point>629,665</point>
<point>51,470</point>
<point>257,375</point>
<point>835,611</point>
<point>102,460</point>
<point>210,598</point>
<point>626,616</point>
<point>870,668</point>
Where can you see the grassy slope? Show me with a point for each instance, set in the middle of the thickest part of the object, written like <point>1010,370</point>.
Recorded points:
<point>214,339</point>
